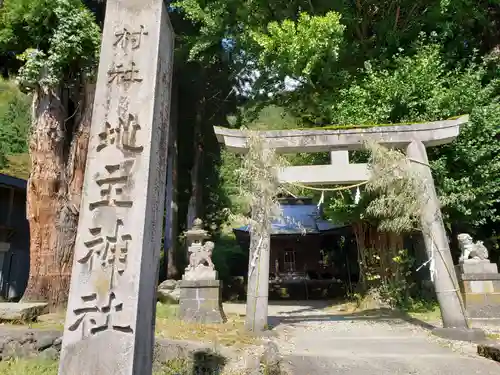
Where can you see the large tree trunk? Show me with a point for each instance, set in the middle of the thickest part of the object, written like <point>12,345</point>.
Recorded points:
<point>67,223</point>
<point>195,202</point>
<point>55,184</point>
<point>46,192</point>
<point>171,224</point>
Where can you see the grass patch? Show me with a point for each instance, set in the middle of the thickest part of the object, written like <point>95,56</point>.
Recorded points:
<point>18,165</point>
<point>28,367</point>
<point>425,311</point>
<point>231,333</point>
<point>493,336</point>
<point>175,367</point>
<point>37,366</point>
<point>343,307</point>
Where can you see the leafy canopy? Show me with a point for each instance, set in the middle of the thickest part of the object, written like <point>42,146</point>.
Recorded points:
<point>421,87</point>
<point>57,40</point>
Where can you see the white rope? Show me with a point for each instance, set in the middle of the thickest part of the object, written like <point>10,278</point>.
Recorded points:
<point>322,199</point>
<point>424,264</point>
<point>357,197</point>
<point>432,266</point>
<point>431,262</point>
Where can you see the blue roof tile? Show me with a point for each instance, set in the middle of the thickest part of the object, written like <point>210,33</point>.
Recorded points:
<point>298,219</point>
<point>12,181</point>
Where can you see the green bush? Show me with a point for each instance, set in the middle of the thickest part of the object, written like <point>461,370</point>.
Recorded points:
<point>230,260</point>
<point>15,118</point>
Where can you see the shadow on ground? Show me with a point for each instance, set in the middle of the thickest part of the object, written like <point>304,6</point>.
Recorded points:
<point>207,363</point>
<point>375,315</point>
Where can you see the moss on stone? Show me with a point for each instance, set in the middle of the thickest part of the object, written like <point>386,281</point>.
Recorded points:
<point>364,126</point>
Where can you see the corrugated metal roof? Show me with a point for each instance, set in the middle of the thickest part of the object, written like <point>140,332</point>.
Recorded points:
<point>12,181</point>
<point>298,219</point>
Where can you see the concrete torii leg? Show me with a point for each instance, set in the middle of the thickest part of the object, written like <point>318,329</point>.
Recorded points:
<point>258,272</point>
<point>436,242</point>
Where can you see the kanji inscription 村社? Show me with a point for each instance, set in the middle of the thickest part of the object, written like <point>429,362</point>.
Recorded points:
<point>125,37</point>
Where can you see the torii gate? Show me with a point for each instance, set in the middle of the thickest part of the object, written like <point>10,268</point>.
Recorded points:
<point>414,138</point>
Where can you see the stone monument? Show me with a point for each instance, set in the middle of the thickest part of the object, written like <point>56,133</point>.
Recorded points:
<point>200,297</point>
<point>479,280</point>
<point>110,320</point>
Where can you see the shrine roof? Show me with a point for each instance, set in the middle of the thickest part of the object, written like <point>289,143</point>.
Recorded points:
<point>302,218</point>
<point>11,181</point>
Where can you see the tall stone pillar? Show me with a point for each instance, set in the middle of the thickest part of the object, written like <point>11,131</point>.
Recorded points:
<point>110,319</point>
<point>436,243</point>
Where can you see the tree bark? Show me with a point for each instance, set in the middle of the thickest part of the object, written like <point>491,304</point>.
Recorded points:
<point>195,202</point>
<point>67,224</point>
<point>46,192</point>
<point>171,225</point>
<point>54,195</point>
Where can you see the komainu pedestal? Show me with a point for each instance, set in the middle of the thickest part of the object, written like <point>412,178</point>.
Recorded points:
<point>479,280</point>
<point>201,301</point>
<point>200,291</point>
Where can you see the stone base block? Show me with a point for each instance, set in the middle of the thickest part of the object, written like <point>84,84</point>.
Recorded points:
<point>477,267</point>
<point>482,305</point>
<point>200,301</point>
<point>460,334</point>
<point>482,322</point>
<point>200,273</point>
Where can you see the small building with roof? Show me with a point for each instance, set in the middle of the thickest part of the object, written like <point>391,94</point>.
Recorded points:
<point>308,254</point>
<point>14,238</point>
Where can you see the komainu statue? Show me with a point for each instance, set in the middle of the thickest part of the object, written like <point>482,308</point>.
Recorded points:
<point>471,251</point>
<point>200,255</point>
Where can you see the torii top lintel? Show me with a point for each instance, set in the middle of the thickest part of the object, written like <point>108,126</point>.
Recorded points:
<point>318,140</point>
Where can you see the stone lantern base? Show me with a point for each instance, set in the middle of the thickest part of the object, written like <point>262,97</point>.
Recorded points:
<point>200,301</point>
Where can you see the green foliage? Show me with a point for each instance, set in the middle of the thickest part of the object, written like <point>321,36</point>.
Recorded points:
<point>60,46</point>
<point>230,182</point>
<point>298,48</point>
<point>229,259</point>
<point>258,177</point>
<point>26,23</point>
<point>373,64</point>
<point>396,291</point>
<point>396,192</point>
<point>421,88</point>
<point>14,121</point>
<point>417,88</point>
<point>467,172</point>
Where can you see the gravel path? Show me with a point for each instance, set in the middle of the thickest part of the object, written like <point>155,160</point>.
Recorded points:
<point>315,342</point>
